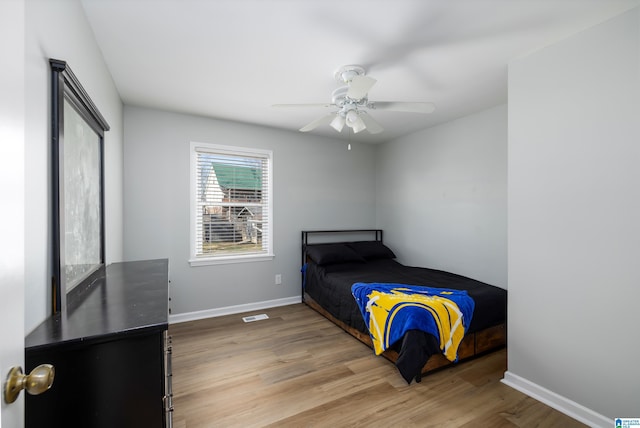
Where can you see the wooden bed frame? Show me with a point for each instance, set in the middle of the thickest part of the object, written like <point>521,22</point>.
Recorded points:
<point>473,345</point>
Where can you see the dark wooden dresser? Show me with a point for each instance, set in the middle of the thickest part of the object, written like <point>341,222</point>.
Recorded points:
<point>111,353</point>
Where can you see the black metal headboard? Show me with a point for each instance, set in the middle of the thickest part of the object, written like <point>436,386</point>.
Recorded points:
<point>338,236</point>
<point>334,237</point>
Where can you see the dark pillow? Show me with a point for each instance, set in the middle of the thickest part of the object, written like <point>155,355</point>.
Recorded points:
<point>324,254</point>
<point>371,250</point>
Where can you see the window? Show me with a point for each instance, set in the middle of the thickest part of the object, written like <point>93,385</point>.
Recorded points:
<point>231,214</point>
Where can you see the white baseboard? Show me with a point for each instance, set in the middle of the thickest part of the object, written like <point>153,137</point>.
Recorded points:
<point>558,402</point>
<point>230,310</point>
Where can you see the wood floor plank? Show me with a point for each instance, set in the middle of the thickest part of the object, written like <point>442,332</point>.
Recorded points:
<point>297,369</point>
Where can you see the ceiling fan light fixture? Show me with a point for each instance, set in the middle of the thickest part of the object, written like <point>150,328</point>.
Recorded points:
<point>355,122</point>
<point>338,123</point>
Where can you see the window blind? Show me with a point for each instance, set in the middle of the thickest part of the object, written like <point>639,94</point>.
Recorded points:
<point>232,212</point>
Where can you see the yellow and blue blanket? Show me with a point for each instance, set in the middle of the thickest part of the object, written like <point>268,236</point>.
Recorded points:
<point>390,310</point>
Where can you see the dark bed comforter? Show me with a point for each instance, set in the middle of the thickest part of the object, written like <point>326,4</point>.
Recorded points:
<point>330,286</point>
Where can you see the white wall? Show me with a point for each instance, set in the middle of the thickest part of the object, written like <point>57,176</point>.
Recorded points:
<point>574,210</point>
<point>58,29</point>
<point>441,196</point>
<point>318,184</point>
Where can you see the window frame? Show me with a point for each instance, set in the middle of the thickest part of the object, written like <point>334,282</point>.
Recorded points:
<point>210,259</point>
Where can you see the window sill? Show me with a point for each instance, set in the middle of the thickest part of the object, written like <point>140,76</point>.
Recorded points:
<point>225,260</point>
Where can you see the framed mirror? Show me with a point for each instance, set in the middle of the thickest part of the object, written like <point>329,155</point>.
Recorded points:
<point>78,185</point>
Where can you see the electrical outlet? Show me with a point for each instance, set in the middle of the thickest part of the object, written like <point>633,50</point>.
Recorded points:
<point>278,279</point>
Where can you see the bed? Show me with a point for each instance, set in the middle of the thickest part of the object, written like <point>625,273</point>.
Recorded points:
<point>334,260</point>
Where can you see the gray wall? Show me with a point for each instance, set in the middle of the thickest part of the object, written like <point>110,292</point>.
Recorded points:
<point>574,236</point>
<point>441,196</point>
<point>318,184</point>
<point>59,29</point>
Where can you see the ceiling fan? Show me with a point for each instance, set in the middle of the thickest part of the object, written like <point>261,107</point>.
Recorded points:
<point>351,102</point>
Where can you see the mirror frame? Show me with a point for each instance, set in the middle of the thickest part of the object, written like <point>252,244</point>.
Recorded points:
<point>65,87</point>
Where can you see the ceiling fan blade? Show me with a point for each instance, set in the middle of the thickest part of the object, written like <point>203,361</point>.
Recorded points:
<point>321,121</point>
<point>359,87</point>
<point>324,105</point>
<point>372,126</point>
<point>409,107</point>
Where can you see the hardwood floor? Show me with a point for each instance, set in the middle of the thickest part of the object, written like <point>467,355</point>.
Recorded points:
<point>297,369</point>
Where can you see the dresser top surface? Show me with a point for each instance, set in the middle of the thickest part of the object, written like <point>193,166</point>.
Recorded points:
<point>124,298</point>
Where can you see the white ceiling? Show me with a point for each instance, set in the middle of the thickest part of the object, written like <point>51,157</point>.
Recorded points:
<point>234,59</point>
